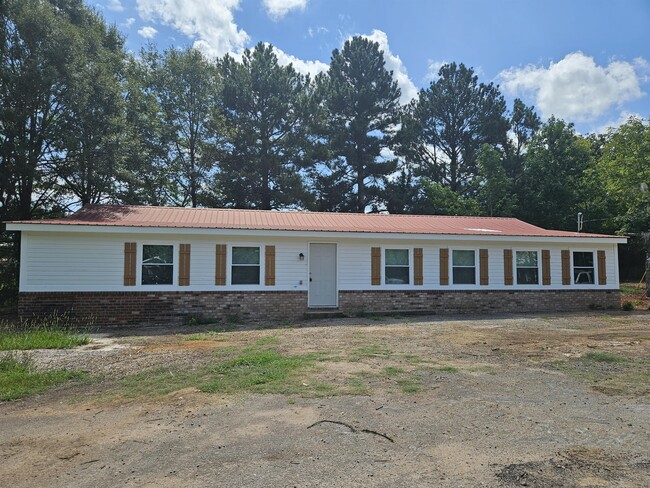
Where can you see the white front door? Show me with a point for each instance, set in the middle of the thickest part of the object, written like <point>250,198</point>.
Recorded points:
<point>322,275</point>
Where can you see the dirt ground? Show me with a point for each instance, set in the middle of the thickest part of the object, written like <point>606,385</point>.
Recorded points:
<point>506,401</point>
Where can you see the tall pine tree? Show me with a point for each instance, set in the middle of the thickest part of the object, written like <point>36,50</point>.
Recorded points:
<point>360,106</point>
<point>265,106</point>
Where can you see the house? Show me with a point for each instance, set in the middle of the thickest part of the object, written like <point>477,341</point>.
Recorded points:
<point>136,264</point>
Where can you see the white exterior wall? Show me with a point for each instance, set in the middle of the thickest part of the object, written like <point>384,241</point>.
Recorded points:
<point>94,261</point>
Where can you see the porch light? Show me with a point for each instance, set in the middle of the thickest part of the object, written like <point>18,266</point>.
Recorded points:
<point>301,257</point>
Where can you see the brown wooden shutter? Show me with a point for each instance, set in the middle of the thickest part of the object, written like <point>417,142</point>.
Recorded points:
<point>566,267</point>
<point>602,268</point>
<point>220,265</point>
<point>418,266</point>
<point>184,265</point>
<point>483,264</point>
<point>444,267</point>
<point>375,266</point>
<point>269,266</point>
<point>546,267</point>
<point>129,263</point>
<point>508,278</point>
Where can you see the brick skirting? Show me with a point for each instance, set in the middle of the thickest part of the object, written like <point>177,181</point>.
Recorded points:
<point>477,301</point>
<point>175,308</point>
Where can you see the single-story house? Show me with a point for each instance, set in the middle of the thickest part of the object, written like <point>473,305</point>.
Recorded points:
<point>137,264</point>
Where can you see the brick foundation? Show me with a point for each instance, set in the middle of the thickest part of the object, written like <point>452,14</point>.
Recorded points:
<point>172,308</point>
<point>175,308</point>
<point>477,301</point>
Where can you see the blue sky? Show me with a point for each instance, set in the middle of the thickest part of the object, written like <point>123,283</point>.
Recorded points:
<point>586,61</point>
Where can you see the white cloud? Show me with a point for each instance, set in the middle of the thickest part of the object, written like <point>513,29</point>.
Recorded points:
<point>115,6</point>
<point>277,9</point>
<point>433,68</point>
<point>311,68</point>
<point>576,88</point>
<point>211,22</point>
<point>318,30</point>
<point>147,32</point>
<point>394,63</point>
<point>623,117</point>
<point>128,22</point>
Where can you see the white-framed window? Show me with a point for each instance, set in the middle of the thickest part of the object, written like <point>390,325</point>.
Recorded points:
<point>583,268</point>
<point>245,265</point>
<point>527,263</point>
<point>463,267</point>
<point>157,264</point>
<point>397,270</point>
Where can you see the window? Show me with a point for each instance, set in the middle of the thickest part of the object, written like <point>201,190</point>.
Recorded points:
<point>157,265</point>
<point>527,271</point>
<point>464,267</point>
<point>583,268</point>
<point>397,267</point>
<point>245,266</point>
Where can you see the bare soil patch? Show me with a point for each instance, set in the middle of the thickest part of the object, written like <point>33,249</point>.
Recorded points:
<point>532,401</point>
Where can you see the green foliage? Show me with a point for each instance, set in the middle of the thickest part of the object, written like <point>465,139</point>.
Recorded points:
<point>54,333</point>
<point>18,378</point>
<point>628,306</point>
<point>265,107</point>
<point>552,184</point>
<point>444,128</point>
<point>360,107</point>
<point>524,124</point>
<point>89,136</point>
<point>624,171</point>
<point>440,199</point>
<point>495,188</point>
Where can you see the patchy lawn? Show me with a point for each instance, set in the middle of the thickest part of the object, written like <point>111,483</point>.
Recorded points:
<point>18,378</point>
<point>532,401</point>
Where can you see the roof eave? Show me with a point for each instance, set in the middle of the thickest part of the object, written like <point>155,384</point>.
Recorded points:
<point>99,228</point>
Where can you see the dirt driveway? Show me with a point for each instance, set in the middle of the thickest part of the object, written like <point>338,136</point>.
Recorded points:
<point>533,401</point>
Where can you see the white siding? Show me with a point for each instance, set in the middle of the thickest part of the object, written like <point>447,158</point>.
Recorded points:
<point>95,262</point>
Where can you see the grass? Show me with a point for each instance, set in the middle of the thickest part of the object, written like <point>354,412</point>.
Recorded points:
<point>610,373</point>
<point>604,357</point>
<point>410,384</point>
<point>375,350</point>
<point>255,369</point>
<point>51,333</point>
<point>18,378</point>
<point>445,369</point>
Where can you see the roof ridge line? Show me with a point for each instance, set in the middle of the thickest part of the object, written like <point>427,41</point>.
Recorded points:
<point>375,214</point>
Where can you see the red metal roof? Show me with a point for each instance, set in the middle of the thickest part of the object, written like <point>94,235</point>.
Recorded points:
<point>218,218</point>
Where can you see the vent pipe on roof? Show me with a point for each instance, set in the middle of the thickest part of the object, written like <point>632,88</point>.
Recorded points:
<point>580,221</point>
